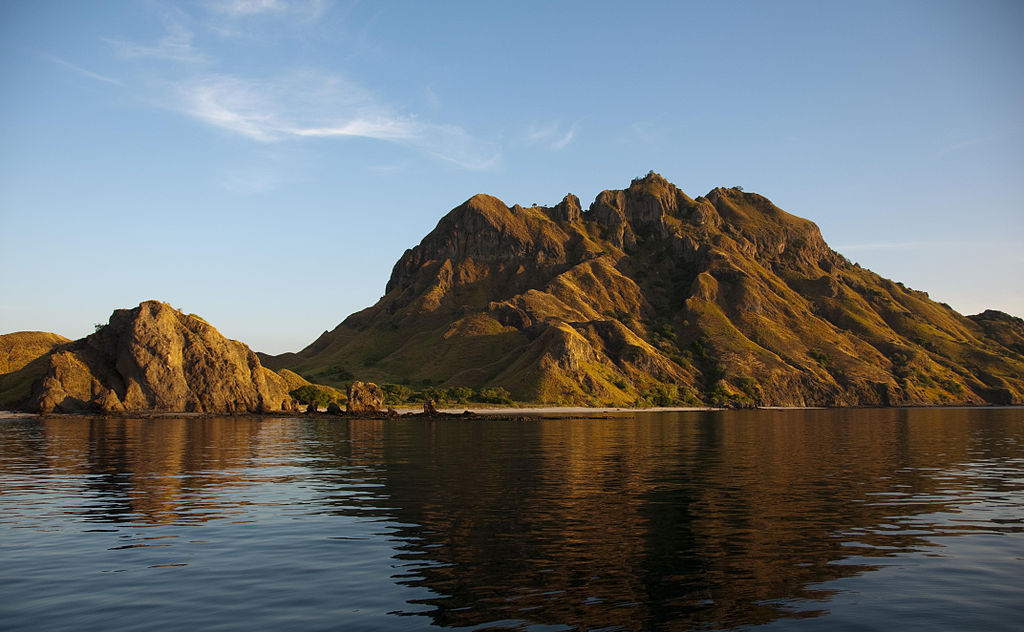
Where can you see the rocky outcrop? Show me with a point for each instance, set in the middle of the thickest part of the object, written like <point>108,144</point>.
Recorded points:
<point>155,358</point>
<point>364,398</point>
<point>653,297</point>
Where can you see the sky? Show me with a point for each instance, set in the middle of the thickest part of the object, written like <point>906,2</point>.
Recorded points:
<point>264,163</point>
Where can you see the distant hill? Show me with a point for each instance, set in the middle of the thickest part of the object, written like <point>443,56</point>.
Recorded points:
<point>150,358</point>
<point>21,347</point>
<point>653,297</point>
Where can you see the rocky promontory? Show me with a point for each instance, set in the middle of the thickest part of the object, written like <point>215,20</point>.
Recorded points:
<point>152,358</point>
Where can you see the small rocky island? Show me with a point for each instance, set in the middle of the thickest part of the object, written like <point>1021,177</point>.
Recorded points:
<point>152,358</point>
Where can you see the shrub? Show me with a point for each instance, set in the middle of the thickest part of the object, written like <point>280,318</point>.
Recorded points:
<point>310,394</point>
<point>460,394</point>
<point>395,394</point>
<point>439,395</point>
<point>662,394</point>
<point>820,357</point>
<point>719,395</point>
<point>748,385</point>
<point>337,372</point>
<point>495,395</point>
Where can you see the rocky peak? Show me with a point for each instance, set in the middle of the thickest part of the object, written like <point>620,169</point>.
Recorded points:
<point>485,230</point>
<point>996,315</point>
<point>766,232</point>
<point>154,357</point>
<point>643,208</point>
<point>568,210</point>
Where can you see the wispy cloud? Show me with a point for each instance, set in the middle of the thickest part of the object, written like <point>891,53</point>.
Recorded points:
<point>306,9</point>
<point>316,105</point>
<point>566,139</point>
<point>82,71</point>
<point>175,46</point>
<point>999,136</point>
<point>553,135</point>
<point>293,104</point>
<point>247,7</point>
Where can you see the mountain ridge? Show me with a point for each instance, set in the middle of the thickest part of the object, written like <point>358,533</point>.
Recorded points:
<point>651,296</point>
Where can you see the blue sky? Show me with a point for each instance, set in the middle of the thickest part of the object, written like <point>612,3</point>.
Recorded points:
<point>263,163</point>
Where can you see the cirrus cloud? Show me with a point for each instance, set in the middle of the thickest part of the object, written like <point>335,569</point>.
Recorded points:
<point>311,104</point>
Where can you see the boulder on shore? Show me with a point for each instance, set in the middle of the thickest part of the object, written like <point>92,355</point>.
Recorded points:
<point>364,398</point>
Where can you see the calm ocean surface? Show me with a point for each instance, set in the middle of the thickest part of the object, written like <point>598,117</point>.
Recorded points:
<point>775,520</point>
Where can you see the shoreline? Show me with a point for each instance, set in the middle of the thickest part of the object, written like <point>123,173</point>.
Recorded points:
<point>469,414</point>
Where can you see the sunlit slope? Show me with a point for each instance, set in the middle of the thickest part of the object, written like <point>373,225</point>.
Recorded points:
<point>651,296</point>
<point>21,363</point>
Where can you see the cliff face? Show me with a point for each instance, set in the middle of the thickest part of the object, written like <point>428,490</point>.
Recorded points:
<point>153,358</point>
<point>651,296</point>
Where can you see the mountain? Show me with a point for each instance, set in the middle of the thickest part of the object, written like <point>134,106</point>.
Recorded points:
<point>653,297</point>
<point>150,358</point>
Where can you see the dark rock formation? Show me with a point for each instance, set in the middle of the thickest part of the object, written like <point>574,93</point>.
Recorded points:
<point>364,398</point>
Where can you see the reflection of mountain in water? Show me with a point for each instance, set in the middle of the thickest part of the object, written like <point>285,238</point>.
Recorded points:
<point>162,471</point>
<point>720,519</point>
<point>666,521</point>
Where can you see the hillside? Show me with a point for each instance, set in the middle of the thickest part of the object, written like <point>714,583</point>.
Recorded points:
<point>653,297</point>
<point>150,358</point>
<point>22,363</point>
<point>21,347</point>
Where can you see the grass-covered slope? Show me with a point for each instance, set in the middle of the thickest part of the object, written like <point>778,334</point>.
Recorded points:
<point>21,363</point>
<point>653,297</point>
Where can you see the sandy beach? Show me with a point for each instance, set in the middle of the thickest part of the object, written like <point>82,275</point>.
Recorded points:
<point>551,411</point>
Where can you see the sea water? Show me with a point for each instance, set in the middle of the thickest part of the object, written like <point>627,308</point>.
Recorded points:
<point>776,520</point>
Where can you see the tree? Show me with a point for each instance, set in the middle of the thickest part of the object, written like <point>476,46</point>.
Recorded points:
<point>460,394</point>
<point>495,395</point>
<point>310,394</point>
<point>395,394</point>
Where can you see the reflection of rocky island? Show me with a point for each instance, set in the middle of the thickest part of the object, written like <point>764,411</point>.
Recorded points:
<point>663,522</point>
<point>677,524</point>
<point>160,471</point>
